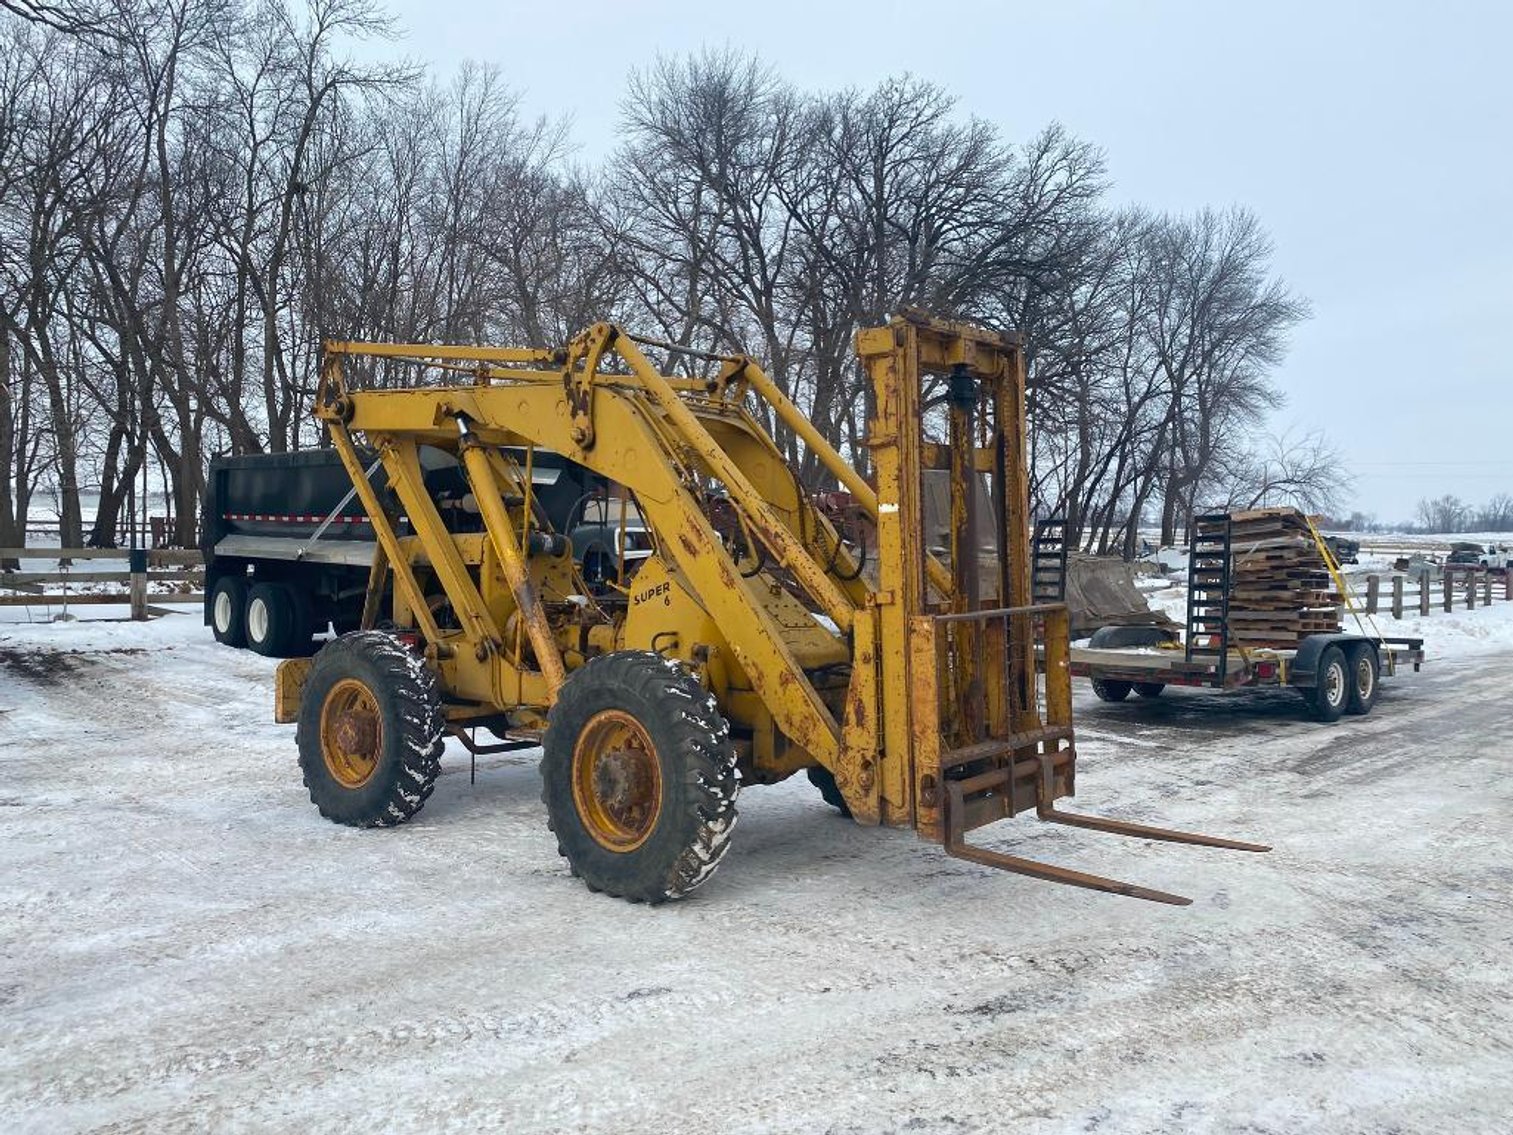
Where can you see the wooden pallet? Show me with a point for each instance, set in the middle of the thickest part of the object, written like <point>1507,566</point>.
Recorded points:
<point>1280,587</point>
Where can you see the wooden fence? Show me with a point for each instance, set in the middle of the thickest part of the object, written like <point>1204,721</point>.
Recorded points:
<point>27,588</point>
<point>1420,594</point>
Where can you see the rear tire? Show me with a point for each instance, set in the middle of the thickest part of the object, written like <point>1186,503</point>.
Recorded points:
<point>273,620</point>
<point>1365,679</point>
<point>1331,692</point>
<point>1111,689</point>
<point>1149,690</point>
<point>639,777</point>
<point>823,779</point>
<point>370,731</point>
<point>228,610</point>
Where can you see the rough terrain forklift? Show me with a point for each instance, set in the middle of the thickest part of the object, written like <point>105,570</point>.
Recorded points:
<point>919,686</point>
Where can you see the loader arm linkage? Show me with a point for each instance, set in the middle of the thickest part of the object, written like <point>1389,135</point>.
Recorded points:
<point>910,663</point>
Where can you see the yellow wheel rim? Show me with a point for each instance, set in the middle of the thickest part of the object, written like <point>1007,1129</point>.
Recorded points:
<point>351,733</point>
<point>617,781</point>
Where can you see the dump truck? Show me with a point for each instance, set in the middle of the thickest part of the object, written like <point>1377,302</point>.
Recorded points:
<point>927,692</point>
<point>288,547</point>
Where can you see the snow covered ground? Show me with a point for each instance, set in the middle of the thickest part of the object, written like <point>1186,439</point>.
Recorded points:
<point>185,945</point>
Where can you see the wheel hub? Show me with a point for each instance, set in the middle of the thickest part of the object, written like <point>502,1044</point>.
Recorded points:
<point>617,781</point>
<point>1334,685</point>
<point>257,620</point>
<point>1364,678</point>
<point>357,731</point>
<point>351,733</point>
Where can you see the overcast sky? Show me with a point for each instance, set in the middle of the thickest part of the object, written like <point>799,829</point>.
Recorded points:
<point>1375,141</point>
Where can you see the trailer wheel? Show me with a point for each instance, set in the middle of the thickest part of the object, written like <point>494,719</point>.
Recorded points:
<point>1365,675</point>
<point>823,779</point>
<point>1149,689</point>
<point>370,731</point>
<point>1111,689</point>
<point>228,610</point>
<point>639,777</point>
<point>1330,694</point>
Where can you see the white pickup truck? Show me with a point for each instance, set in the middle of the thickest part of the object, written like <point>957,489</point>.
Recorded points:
<point>1498,558</point>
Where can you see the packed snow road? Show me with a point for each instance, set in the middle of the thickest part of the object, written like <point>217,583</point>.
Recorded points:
<point>186,945</point>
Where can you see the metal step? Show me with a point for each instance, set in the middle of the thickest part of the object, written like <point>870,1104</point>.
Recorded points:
<point>1208,586</point>
<point>1048,560</point>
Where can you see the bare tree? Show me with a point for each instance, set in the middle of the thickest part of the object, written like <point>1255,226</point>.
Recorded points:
<point>192,203</point>
<point>1299,469</point>
<point>1443,514</point>
<point>1497,514</point>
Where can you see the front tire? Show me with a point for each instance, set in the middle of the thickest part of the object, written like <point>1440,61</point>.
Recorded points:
<point>370,731</point>
<point>1111,689</point>
<point>639,777</point>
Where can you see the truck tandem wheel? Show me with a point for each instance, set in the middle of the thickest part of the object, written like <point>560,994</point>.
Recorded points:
<point>1149,689</point>
<point>274,620</point>
<point>228,610</point>
<point>639,777</point>
<point>370,731</point>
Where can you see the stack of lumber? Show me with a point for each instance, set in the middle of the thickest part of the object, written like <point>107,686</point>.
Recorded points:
<point>1280,588</point>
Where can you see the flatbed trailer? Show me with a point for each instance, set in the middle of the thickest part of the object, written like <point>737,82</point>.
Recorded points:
<point>1149,669</point>
<point>1336,671</point>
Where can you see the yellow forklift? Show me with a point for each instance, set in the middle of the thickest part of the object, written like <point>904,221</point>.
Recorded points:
<point>920,687</point>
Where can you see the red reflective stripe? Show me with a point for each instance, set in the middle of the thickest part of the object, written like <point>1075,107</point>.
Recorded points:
<point>291,518</point>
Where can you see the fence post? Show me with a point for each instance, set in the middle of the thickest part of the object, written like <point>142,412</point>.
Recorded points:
<point>1397,597</point>
<point>1486,589</point>
<point>1373,588</point>
<point>1423,593</point>
<point>1449,582</point>
<point>1470,592</point>
<point>139,585</point>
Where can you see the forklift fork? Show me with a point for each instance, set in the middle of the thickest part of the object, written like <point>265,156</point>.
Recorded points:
<point>1002,778</point>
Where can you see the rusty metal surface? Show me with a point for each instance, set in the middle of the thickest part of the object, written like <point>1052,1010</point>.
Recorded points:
<point>956,845</point>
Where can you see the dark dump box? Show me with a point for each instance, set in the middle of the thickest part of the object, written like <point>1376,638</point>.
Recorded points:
<point>288,548</point>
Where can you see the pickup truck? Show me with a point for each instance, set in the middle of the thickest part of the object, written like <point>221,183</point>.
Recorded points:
<point>1496,558</point>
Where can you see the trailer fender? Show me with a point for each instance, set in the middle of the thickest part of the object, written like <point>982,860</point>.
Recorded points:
<point>1305,666</point>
